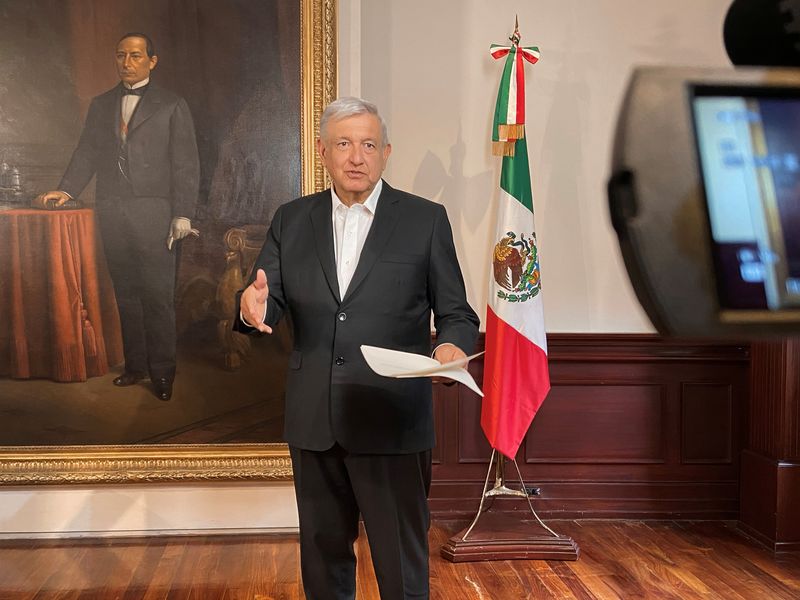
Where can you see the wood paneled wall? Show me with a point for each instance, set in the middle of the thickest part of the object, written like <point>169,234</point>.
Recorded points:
<point>770,484</point>
<point>635,426</point>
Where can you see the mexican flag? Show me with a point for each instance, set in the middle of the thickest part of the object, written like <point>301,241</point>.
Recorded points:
<point>515,377</point>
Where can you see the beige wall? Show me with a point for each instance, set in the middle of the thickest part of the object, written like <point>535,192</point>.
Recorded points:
<point>426,64</point>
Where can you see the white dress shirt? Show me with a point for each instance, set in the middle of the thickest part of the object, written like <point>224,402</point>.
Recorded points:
<point>350,228</point>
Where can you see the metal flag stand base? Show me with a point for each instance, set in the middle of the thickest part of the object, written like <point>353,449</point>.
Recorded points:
<point>506,536</point>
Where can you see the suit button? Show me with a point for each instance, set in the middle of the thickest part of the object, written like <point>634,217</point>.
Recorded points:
<point>342,316</point>
<point>339,361</point>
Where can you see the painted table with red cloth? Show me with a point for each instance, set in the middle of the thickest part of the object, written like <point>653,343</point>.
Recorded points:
<point>58,315</point>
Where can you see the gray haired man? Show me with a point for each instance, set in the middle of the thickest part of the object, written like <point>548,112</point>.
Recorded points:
<point>360,263</point>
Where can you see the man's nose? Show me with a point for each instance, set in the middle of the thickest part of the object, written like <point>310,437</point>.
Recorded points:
<point>126,62</point>
<point>356,155</point>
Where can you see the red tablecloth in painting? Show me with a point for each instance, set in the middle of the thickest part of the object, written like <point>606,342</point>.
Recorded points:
<point>58,315</point>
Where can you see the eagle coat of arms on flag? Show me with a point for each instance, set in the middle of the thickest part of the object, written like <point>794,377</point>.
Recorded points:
<point>515,263</point>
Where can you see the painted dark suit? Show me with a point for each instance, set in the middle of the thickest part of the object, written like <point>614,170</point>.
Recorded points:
<point>141,185</point>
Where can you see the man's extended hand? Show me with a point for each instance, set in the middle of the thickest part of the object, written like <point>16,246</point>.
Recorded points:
<point>50,200</point>
<point>254,302</point>
<point>180,228</point>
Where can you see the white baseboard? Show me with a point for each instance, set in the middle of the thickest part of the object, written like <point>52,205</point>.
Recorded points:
<point>39,512</point>
<point>57,535</point>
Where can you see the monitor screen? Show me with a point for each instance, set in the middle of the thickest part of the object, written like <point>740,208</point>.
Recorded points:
<point>748,145</point>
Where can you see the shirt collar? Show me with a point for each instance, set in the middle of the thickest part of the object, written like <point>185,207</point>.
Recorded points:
<point>137,85</point>
<point>371,203</point>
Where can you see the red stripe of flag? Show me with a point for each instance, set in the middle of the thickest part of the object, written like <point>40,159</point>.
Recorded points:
<point>520,88</point>
<point>513,373</point>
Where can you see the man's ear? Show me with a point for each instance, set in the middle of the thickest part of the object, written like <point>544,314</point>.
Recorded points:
<point>320,148</point>
<point>153,61</point>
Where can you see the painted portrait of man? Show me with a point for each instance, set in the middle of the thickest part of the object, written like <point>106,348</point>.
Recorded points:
<point>148,136</point>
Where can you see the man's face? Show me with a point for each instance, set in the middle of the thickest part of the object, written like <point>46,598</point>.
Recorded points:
<point>354,156</point>
<point>133,64</point>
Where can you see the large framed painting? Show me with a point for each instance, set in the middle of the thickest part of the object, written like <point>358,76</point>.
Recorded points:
<point>251,77</point>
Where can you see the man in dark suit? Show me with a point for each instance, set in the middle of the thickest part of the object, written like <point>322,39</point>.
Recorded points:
<point>139,141</point>
<point>360,263</point>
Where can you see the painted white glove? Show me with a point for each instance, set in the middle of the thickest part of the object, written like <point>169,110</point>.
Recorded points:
<point>179,229</point>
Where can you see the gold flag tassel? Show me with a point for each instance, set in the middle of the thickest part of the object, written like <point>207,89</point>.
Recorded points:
<point>503,148</point>
<point>511,132</point>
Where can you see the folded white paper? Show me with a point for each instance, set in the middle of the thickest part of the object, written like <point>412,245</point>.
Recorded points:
<point>394,363</point>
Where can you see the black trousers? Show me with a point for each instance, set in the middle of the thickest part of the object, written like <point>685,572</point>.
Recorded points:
<point>390,492</point>
<point>134,232</point>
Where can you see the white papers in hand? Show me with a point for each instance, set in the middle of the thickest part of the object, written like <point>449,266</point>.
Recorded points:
<point>394,363</point>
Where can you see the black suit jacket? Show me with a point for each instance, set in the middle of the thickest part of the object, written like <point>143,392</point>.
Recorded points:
<point>161,150</point>
<point>407,270</point>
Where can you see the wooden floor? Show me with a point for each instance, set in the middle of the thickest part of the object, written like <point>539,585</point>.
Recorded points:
<point>619,559</point>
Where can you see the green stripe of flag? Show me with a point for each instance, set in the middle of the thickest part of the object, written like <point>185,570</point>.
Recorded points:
<point>501,107</point>
<point>515,177</point>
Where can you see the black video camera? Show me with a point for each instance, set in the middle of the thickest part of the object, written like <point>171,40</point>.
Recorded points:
<point>705,198</point>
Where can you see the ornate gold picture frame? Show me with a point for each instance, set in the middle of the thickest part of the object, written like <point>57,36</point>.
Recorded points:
<point>20,465</point>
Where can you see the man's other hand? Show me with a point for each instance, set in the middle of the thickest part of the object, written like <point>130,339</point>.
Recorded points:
<point>50,200</point>
<point>254,302</point>
<point>448,352</point>
<point>445,354</point>
<point>180,228</point>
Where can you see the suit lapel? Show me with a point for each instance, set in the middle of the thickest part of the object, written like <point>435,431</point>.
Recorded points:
<point>149,104</point>
<point>386,215</point>
<point>117,112</point>
<point>323,239</point>
<point>112,106</point>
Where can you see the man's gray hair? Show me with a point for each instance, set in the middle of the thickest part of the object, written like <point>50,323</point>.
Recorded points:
<point>348,106</point>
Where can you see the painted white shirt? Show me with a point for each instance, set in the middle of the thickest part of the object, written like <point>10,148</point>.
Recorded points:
<point>130,102</point>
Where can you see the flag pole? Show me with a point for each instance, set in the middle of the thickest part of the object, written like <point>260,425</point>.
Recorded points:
<point>528,498</point>
<point>500,490</point>
<point>483,497</point>
<point>516,378</point>
<point>500,535</point>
